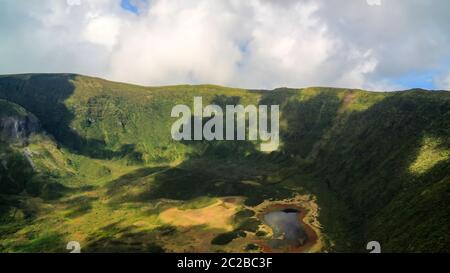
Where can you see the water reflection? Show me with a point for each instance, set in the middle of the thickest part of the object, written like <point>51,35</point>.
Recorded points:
<point>287,228</point>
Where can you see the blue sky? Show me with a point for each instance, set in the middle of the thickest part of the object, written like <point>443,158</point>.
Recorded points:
<point>127,5</point>
<point>422,80</point>
<point>425,79</point>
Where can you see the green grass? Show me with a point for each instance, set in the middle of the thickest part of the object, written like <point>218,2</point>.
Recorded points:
<point>377,162</point>
<point>11,109</point>
<point>198,203</point>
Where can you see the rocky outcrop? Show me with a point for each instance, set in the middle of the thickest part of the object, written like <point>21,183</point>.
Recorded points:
<point>17,129</point>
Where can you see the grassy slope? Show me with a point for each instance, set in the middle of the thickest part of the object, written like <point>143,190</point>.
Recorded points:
<point>378,162</point>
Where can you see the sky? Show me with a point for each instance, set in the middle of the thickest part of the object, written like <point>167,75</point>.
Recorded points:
<point>261,44</point>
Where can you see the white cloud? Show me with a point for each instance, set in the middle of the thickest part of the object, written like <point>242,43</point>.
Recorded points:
<point>443,82</point>
<point>102,30</point>
<point>178,43</point>
<point>73,2</point>
<point>255,43</point>
<point>374,2</point>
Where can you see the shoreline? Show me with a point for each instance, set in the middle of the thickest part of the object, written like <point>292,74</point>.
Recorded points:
<point>306,216</point>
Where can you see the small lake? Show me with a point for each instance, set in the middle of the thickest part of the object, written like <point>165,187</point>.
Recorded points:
<point>287,228</point>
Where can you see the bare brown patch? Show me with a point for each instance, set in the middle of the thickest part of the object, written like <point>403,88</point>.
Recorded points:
<point>218,215</point>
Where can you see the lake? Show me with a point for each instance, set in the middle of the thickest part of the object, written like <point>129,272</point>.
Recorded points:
<point>287,228</point>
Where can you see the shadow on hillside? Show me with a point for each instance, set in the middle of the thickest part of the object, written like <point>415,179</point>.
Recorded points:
<point>223,168</point>
<point>116,239</point>
<point>378,145</point>
<point>79,205</point>
<point>362,159</point>
<point>222,149</point>
<point>215,168</point>
<point>250,177</point>
<point>44,95</point>
<point>132,179</point>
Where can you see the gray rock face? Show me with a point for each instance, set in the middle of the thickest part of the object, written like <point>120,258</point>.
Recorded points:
<point>17,129</point>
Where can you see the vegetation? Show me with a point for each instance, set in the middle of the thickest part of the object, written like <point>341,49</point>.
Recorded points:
<point>105,166</point>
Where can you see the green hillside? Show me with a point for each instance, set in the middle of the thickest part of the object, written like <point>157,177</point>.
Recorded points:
<point>103,169</point>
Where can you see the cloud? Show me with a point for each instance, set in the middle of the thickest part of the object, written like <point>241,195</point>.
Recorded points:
<point>102,30</point>
<point>374,2</point>
<point>442,82</point>
<point>176,42</point>
<point>73,2</point>
<point>255,44</point>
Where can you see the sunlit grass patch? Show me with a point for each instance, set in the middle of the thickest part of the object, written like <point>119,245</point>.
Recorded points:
<point>218,215</point>
<point>430,153</point>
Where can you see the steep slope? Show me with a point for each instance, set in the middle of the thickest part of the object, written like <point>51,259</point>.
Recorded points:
<point>384,156</point>
<point>377,162</point>
<point>105,119</point>
<point>16,126</point>
<point>390,165</point>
